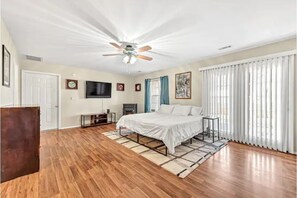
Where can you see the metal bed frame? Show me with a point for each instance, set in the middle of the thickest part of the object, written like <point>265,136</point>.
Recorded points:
<point>153,148</point>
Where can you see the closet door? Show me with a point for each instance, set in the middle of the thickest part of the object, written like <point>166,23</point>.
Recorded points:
<point>42,90</point>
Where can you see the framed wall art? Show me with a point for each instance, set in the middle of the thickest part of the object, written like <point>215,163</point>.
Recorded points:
<point>5,67</point>
<point>183,83</point>
<point>71,84</point>
<point>120,87</point>
<point>138,87</point>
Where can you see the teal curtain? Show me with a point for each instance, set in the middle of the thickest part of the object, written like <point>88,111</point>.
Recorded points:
<point>147,96</point>
<point>164,96</point>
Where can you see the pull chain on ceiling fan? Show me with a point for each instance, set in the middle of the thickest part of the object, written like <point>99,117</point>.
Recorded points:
<point>130,50</point>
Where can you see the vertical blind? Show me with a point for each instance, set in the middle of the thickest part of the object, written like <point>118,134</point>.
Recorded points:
<point>254,100</point>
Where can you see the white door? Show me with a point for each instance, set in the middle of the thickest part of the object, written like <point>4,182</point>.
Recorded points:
<point>42,90</point>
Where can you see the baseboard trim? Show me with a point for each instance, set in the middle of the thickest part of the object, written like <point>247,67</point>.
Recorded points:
<point>78,126</point>
<point>70,127</point>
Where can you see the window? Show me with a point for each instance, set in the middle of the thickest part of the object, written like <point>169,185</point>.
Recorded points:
<point>155,94</point>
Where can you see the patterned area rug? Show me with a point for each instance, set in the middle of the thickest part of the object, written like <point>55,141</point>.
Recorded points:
<point>187,157</point>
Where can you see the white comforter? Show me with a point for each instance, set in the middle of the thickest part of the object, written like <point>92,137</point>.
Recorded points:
<point>171,129</point>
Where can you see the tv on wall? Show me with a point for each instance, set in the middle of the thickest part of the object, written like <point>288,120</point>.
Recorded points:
<point>98,89</point>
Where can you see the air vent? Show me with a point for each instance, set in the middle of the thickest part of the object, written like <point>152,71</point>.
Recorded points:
<point>225,47</point>
<point>33,58</point>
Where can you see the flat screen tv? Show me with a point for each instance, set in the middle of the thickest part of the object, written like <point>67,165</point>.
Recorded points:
<point>98,89</point>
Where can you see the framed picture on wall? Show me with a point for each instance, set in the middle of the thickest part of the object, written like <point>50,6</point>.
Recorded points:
<point>183,83</point>
<point>71,84</point>
<point>120,87</point>
<point>5,67</point>
<point>138,87</point>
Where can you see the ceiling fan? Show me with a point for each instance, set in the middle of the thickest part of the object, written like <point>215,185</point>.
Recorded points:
<point>130,52</point>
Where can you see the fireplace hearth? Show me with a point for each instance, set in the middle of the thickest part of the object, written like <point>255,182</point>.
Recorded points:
<point>129,109</point>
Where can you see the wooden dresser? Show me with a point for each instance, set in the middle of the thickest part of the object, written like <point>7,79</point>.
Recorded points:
<point>20,141</point>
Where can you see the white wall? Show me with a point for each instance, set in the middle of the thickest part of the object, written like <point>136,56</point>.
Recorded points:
<point>10,95</point>
<point>295,88</point>
<point>73,102</point>
<point>197,77</point>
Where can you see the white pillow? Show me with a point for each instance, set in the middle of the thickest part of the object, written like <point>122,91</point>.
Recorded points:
<point>196,111</point>
<point>181,110</point>
<point>167,109</point>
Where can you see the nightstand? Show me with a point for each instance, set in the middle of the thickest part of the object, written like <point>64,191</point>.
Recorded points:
<point>210,129</point>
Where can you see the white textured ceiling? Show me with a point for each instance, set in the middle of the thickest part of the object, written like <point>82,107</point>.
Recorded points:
<point>77,32</point>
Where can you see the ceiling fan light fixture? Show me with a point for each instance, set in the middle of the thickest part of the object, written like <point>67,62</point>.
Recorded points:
<point>129,59</point>
<point>130,52</point>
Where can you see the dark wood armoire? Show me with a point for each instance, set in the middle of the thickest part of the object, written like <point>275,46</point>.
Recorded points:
<point>20,141</point>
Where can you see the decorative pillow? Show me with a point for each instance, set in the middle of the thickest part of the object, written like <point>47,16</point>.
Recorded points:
<point>181,110</point>
<point>167,109</point>
<point>196,111</point>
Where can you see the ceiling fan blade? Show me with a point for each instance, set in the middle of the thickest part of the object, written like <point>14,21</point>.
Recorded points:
<point>145,57</point>
<point>111,54</point>
<point>144,48</point>
<point>115,45</point>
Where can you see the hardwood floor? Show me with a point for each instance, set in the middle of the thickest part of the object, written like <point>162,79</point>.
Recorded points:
<point>84,163</point>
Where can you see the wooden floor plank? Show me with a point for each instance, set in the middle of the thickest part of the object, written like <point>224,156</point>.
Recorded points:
<point>84,163</point>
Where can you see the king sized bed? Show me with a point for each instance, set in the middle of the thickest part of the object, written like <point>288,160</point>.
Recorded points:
<point>171,124</point>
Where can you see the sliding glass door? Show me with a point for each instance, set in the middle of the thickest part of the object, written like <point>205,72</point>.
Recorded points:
<point>254,101</point>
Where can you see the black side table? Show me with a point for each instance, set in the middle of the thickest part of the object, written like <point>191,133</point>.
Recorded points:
<point>211,120</point>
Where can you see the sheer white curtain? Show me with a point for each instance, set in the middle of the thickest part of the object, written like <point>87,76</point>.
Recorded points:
<point>254,100</point>
<point>155,94</point>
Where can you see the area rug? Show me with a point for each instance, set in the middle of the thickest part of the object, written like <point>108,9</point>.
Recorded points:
<point>187,157</point>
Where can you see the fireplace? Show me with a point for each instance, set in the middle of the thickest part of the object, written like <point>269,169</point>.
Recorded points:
<point>129,109</point>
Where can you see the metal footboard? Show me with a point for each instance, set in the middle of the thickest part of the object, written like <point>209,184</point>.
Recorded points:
<point>138,141</point>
